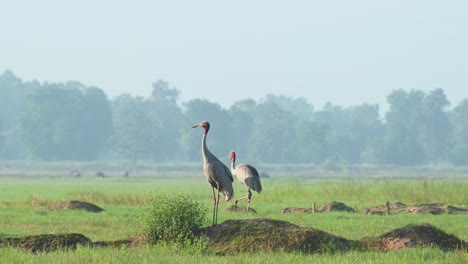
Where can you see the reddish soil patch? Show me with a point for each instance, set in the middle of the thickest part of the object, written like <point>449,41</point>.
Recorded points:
<point>73,204</point>
<point>415,236</point>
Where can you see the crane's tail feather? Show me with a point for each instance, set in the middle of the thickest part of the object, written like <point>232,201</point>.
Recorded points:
<point>254,184</point>
<point>228,192</point>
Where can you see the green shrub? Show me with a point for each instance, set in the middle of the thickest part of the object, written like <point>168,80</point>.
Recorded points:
<point>172,218</point>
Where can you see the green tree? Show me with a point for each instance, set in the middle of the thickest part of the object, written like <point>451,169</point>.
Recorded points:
<point>59,122</point>
<point>434,126</point>
<point>241,126</point>
<point>133,137</point>
<point>272,135</point>
<point>312,145</point>
<point>416,127</point>
<point>458,153</point>
<point>13,94</point>
<point>167,120</point>
<point>218,141</point>
<point>401,145</point>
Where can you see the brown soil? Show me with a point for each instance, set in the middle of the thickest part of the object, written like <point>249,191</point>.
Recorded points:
<point>73,204</point>
<point>328,207</point>
<point>429,208</point>
<point>263,235</point>
<point>395,208</point>
<point>415,236</point>
<point>237,209</point>
<point>50,242</point>
<point>253,235</point>
<point>336,206</point>
<point>46,243</point>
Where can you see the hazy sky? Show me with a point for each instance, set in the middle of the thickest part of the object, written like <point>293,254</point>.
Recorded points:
<point>346,52</point>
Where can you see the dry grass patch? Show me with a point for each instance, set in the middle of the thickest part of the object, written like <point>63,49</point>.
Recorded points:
<point>72,205</point>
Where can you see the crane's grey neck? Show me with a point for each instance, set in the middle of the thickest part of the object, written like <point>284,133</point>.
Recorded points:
<point>205,151</point>
<point>233,164</point>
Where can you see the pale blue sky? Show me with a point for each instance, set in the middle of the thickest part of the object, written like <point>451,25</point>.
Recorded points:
<point>346,52</point>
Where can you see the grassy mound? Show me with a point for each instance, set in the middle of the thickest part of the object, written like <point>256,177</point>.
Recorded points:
<point>73,204</point>
<point>254,235</point>
<point>262,235</point>
<point>336,207</point>
<point>45,243</point>
<point>415,236</point>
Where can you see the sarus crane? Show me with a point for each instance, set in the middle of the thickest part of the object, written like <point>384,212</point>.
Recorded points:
<point>216,173</point>
<point>247,175</point>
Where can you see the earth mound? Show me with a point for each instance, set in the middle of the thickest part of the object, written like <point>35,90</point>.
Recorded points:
<point>262,235</point>
<point>255,235</point>
<point>427,208</point>
<point>415,235</point>
<point>46,243</point>
<point>336,206</point>
<point>327,207</point>
<point>73,204</point>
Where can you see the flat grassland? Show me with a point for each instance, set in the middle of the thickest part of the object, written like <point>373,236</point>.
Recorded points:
<point>24,200</point>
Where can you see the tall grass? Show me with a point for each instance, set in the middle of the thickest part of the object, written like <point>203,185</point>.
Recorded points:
<point>23,211</point>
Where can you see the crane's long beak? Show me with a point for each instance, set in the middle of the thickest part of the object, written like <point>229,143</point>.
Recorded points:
<point>197,125</point>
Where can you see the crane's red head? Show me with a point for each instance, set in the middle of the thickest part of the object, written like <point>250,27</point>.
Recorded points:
<point>205,125</point>
<point>233,156</point>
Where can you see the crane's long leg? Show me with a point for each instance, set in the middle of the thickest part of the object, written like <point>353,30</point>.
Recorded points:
<point>214,205</point>
<point>217,205</point>
<point>248,197</point>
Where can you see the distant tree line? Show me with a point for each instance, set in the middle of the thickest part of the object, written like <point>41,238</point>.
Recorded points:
<point>70,121</point>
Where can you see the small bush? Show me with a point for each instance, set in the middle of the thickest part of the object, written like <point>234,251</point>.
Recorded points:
<point>172,218</point>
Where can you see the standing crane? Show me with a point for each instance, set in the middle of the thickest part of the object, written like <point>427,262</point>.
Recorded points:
<point>217,174</point>
<point>248,176</point>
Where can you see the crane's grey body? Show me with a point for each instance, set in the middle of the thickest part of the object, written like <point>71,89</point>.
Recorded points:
<point>247,175</point>
<point>216,173</point>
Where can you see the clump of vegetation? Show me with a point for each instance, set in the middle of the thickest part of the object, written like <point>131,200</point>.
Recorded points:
<point>269,235</point>
<point>172,218</point>
<point>46,242</point>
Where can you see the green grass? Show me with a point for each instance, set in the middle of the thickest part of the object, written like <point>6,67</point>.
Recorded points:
<point>23,204</point>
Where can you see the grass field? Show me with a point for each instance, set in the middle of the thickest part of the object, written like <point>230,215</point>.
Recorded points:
<point>23,211</point>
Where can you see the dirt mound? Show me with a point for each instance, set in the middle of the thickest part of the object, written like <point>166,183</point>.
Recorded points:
<point>328,207</point>
<point>237,209</point>
<point>428,208</point>
<point>336,206</point>
<point>254,235</point>
<point>73,204</point>
<point>45,243</point>
<point>416,235</point>
<point>262,235</point>
<point>50,242</point>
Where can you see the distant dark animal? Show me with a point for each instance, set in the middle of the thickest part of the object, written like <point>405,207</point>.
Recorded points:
<point>99,174</point>
<point>75,173</point>
<point>216,173</point>
<point>247,175</point>
<point>124,173</point>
